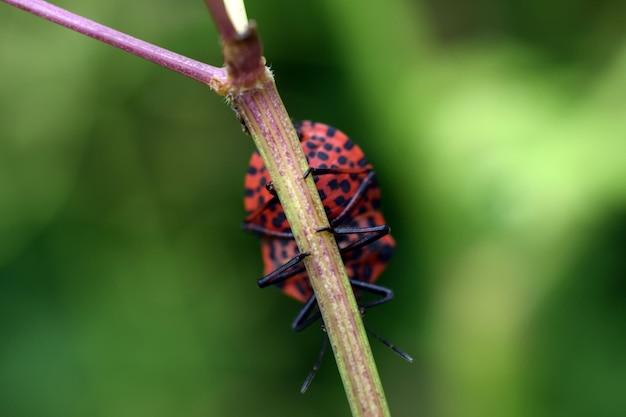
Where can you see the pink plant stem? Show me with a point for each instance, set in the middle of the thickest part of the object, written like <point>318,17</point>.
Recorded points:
<point>204,73</point>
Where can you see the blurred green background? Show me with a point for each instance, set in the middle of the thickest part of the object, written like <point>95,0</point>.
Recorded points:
<point>497,128</point>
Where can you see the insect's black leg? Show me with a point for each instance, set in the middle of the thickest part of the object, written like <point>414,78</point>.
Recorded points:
<point>263,231</point>
<point>377,232</point>
<point>279,275</point>
<point>383,228</point>
<point>385,342</point>
<point>386,294</point>
<point>306,316</point>
<point>316,366</point>
<point>324,171</point>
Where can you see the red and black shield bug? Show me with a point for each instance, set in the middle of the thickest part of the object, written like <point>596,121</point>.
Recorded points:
<point>350,194</point>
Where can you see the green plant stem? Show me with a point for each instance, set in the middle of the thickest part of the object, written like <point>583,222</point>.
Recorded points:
<point>256,100</point>
<point>274,135</point>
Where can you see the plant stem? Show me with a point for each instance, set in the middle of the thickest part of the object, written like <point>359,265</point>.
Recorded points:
<point>277,142</point>
<point>212,76</point>
<point>256,100</point>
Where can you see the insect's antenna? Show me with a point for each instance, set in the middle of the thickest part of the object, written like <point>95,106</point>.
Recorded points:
<point>316,366</point>
<point>385,342</point>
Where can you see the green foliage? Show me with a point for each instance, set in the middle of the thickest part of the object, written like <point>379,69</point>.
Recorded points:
<point>127,288</point>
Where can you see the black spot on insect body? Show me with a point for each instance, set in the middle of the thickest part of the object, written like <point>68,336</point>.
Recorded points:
<point>342,160</point>
<point>277,221</point>
<point>323,156</point>
<point>284,242</point>
<point>261,199</point>
<point>249,192</point>
<point>311,145</point>
<point>356,254</point>
<point>303,289</point>
<point>352,270</point>
<point>366,273</point>
<point>322,166</point>
<point>340,201</point>
<point>331,131</point>
<point>272,251</point>
<point>375,203</point>
<point>362,162</point>
<point>263,181</point>
<point>263,169</point>
<point>333,184</point>
<point>252,170</point>
<point>311,154</point>
<point>345,186</point>
<point>298,127</point>
<point>317,138</point>
<point>349,145</point>
<point>337,149</point>
<point>385,252</point>
<point>328,146</point>
<point>322,194</point>
<point>327,210</point>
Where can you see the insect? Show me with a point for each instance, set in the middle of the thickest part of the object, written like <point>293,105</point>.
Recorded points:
<point>350,194</point>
